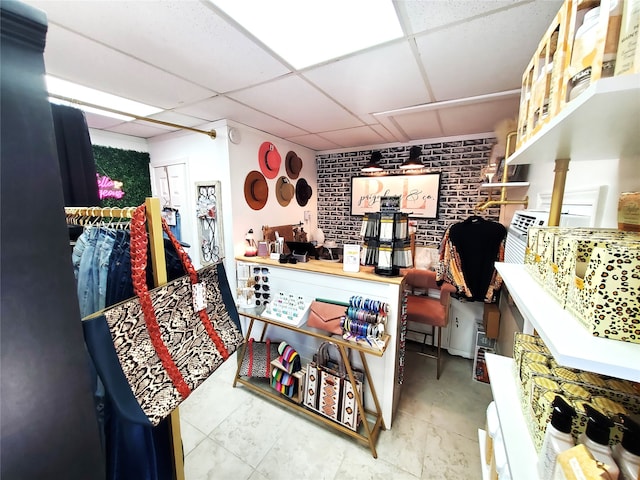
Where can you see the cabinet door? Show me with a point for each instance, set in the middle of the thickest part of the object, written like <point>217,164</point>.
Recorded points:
<point>462,327</point>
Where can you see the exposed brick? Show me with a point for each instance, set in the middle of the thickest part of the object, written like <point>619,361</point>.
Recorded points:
<point>459,164</point>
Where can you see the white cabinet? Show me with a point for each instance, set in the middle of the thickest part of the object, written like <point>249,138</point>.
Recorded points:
<point>463,317</point>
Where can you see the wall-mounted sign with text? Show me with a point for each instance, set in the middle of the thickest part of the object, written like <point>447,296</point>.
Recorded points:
<point>108,188</point>
<point>418,193</point>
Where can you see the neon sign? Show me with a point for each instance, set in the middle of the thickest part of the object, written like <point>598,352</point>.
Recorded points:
<point>108,188</point>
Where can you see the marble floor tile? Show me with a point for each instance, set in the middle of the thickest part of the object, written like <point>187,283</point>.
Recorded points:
<point>403,445</point>
<point>190,435</point>
<point>212,402</point>
<point>250,432</point>
<point>232,433</point>
<point>449,456</point>
<point>310,451</point>
<point>211,461</point>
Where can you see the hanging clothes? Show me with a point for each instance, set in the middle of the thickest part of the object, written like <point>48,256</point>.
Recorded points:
<point>75,156</point>
<point>468,252</point>
<point>102,265</point>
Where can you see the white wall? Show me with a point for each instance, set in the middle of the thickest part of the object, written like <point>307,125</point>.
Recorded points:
<point>615,175</point>
<point>116,140</point>
<point>229,163</point>
<point>244,158</point>
<point>206,159</point>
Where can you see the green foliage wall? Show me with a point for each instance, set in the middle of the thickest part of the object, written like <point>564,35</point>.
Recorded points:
<point>126,166</point>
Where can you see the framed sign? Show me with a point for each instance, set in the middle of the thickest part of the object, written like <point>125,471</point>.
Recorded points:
<point>209,222</point>
<point>418,194</point>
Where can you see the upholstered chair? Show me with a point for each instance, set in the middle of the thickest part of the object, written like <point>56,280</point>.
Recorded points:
<point>428,304</point>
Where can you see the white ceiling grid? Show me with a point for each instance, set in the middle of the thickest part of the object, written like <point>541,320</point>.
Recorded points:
<point>196,63</point>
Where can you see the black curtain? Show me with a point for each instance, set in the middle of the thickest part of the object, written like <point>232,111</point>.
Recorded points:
<point>77,165</point>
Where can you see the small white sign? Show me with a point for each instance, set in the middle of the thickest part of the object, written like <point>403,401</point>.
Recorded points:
<point>351,258</point>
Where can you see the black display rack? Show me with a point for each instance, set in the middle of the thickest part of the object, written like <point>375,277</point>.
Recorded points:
<point>386,242</point>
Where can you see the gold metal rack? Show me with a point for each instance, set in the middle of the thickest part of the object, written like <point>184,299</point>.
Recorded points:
<point>209,133</point>
<point>503,189</point>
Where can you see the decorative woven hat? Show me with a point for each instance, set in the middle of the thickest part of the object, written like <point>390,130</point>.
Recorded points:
<point>284,191</point>
<point>256,190</point>
<point>303,192</point>
<point>269,159</point>
<point>293,164</point>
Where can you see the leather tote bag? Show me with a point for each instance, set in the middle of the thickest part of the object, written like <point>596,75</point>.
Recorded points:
<point>154,350</point>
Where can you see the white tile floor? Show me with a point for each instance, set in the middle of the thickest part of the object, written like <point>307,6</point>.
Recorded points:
<point>232,433</point>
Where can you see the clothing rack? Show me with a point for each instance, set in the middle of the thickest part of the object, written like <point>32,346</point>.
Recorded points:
<point>156,243</point>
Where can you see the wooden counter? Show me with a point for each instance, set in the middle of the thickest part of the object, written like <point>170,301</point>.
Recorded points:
<point>327,268</point>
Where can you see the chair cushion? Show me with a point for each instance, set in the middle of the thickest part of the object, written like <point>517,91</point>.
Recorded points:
<point>427,310</point>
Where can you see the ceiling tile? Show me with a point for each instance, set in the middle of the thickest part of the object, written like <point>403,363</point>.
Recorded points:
<point>140,129</point>
<point>178,118</point>
<point>465,60</point>
<point>373,81</point>
<point>314,142</point>
<point>478,118</point>
<point>354,137</point>
<point>185,38</point>
<point>419,125</point>
<point>293,100</point>
<point>95,120</point>
<point>420,15</point>
<point>384,133</point>
<point>221,107</point>
<point>68,55</point>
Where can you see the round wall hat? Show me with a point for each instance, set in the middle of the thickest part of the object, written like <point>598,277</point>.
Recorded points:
<point>269,159</point>
<point>284,191</point>
<point>293,164</point>
<point>303,192</point>
<point>256,190</point>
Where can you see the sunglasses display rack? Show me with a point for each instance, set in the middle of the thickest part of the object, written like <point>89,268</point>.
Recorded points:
<point>261,286</point>
<point>288,308</point>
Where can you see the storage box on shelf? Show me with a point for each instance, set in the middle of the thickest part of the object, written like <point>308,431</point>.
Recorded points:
<point>606,300</point>
<point>539,383</point>
<point>569,255</point>
<point>570,343</point>
<point>600,290</point>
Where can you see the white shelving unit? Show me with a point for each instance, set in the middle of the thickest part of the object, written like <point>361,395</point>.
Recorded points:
<point>504,184</point>
<point>571,344</point>
<point>482,442</point>
<point>601,123</point>
<point>521,453</point>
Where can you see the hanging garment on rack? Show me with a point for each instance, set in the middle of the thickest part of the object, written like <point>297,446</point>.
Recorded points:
<point>468,252</point>
<point>167,341</point>
<point>75,156</point>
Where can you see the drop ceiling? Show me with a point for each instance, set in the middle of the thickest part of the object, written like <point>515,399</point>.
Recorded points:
<point>197,64</point>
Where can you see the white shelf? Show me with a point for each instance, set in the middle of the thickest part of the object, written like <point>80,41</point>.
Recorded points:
<point>570,342</point>
<point>521,453</point>
<point>482,442</point>
<point>504,184</point>
<point>601,123</point>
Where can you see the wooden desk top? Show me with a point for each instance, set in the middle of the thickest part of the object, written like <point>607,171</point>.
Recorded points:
<point>326,268</point>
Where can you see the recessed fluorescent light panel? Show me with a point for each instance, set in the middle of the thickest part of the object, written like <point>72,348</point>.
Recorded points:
<point>309,32</point>
<point>57,86</point>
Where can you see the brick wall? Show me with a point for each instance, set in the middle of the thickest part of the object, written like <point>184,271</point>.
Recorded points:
<point>459,163</point>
